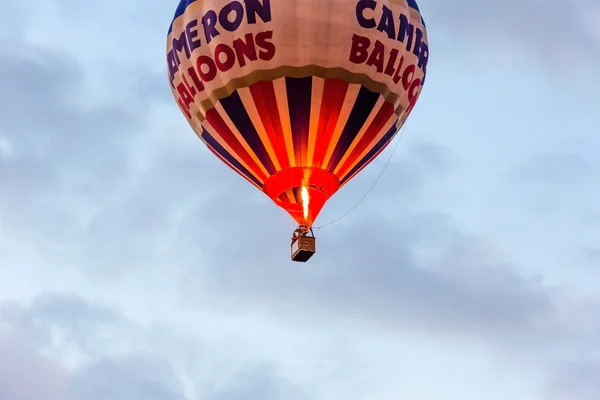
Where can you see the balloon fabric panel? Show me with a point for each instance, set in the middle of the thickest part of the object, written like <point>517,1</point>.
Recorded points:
<point>347,130</point>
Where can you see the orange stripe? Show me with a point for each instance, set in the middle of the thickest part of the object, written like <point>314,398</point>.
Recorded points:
<point>334,93</point>
<point>376,127</point>
<point>315,110</point>
<point>281,97</point>
<point>252,111</point>
<point>344,114</point>
<point>264,97</point>
<point>368,161</point>
<point>360,134</point>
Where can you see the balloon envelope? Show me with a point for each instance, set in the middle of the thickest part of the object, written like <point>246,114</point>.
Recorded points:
<point>295,94</point>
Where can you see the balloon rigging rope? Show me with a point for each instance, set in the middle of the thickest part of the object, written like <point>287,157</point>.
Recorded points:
<point>387,163</point>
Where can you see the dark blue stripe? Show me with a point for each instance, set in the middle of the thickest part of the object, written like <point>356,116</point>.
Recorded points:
<point>363,105</point>
<point>413,4</point>
<point>183,4</point>
<point>297,192</point>
<point>234,107</point>
<point>299,92</point>
<point>223,153</point>
<point>365,160</point>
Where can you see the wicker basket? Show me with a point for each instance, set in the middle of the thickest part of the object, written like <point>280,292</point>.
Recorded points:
<point>303,248</point>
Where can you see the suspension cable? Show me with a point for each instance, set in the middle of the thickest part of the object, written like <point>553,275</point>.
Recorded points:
<point>387,163</point>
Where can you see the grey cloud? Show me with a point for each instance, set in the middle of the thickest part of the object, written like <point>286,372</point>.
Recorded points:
<point>12,19</point>
<point>554,32</point>
<point>60,155</point>
<point>565,170</point>
<point>575,380</point>
<point>152,86</point>
<point>25,374</point>
<point>88,327</point>
<point>419,271</point>
<point>132,377</point>
<point>68,169</point>
<point>590,256</point>
<point>146,370</point>
<point>259,383</point>
<point>557,184</point>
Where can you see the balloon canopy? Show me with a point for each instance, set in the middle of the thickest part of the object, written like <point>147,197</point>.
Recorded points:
<point>297,96</point>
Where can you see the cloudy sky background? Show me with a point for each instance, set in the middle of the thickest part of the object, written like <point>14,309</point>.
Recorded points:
<point>133,265</point>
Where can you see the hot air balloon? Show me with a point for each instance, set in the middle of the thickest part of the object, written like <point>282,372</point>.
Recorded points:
<point>297,96</point>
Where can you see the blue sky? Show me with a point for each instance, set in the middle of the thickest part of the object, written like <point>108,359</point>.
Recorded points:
<point>129,271</point>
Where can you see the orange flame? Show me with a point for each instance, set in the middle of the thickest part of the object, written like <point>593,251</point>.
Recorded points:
<point>305,201</point>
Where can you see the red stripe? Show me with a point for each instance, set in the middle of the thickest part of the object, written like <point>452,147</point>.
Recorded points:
<point>368,161</point>
<point>263,94</point>
<point>383,116</point>
<point>334,92</point>
<point>221,129</point>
